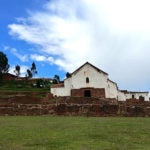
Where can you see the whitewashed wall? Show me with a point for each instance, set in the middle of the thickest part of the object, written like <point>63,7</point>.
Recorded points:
<point>137,95</point>
<point>111,90</point>
<point>63,91</point>
<point>78,80</point>
<point>59,91</point>
<point>96,79</point>
<point>121,96</point>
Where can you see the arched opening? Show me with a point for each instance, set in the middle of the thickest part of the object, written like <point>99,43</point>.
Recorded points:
<point>87,80</point>
<point>133,96</point>
<point>141,98</point>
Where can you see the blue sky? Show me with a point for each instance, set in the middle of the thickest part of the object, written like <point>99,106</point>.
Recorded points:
<point>18,51</point>
<point>61,35</point>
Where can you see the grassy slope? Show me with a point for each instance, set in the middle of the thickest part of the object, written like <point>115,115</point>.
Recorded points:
<point>74,133</point>
<point>10,88</point>
<point>22,86</point>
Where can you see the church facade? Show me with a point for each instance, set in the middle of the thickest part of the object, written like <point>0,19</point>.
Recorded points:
<point>90,81</point>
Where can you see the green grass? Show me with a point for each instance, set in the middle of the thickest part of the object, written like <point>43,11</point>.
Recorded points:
<point>74,133</point>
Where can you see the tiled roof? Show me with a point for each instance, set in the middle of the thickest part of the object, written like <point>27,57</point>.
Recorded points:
<point>57,85</point>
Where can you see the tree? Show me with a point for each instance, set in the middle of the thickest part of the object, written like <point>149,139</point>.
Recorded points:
<point>33,69</point>
<point>29,74</point>
<point>17,70</point>
<point>56,79</point>
<point>68,75</point>
<point>4,66</point>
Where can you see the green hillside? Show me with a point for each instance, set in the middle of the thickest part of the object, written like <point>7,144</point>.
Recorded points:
<point>24,86</point>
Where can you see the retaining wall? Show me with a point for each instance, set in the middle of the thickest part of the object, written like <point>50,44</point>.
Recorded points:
<point>72,106</point>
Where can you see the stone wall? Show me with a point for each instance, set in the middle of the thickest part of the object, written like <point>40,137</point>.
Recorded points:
<point>75,110</point>
<point>94,92</point>
<point>134,107</point>
<point>59,109</point>
<point>72,106</point>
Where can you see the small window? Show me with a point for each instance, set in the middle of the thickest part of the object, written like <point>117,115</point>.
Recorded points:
<point>133,97</point>
<point>87,80</point>
<point>87,93</point>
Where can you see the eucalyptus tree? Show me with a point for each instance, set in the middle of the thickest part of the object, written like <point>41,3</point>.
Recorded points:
<point>4,66</point>
<point>29,74</point>
<point>17,70</point>
<point>56,79</point>
<point>33,69</point>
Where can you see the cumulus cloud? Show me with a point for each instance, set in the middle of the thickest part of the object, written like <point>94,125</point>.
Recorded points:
<point>23,70</point>
<point>113,35</point>
<point>41,58</point>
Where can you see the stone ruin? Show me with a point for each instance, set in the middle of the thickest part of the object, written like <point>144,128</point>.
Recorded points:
<point>71,106</point>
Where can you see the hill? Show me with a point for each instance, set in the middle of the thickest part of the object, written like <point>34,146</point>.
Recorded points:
<point>23,90</point>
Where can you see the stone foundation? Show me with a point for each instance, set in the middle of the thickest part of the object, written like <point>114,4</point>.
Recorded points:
<point>72,106</point>
<point>59,109</point>
<point>91,92</point>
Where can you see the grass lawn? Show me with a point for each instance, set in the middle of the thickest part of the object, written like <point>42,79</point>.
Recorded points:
<point>74,133</point>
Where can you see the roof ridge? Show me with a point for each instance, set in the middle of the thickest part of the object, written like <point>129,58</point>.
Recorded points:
<point>99,70</point>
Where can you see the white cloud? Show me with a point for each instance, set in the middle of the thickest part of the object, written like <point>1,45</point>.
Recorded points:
<point>41,58</point>
<point>23,70</point>
<point>37,57</point>
<point>14,51</point>
<point>113,35</point>
<point>21,57</point>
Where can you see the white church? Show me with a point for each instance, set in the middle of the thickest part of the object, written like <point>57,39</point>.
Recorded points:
<point>90,81</point>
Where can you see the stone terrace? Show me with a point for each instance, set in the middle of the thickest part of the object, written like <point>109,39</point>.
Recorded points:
<point>71,106</point>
